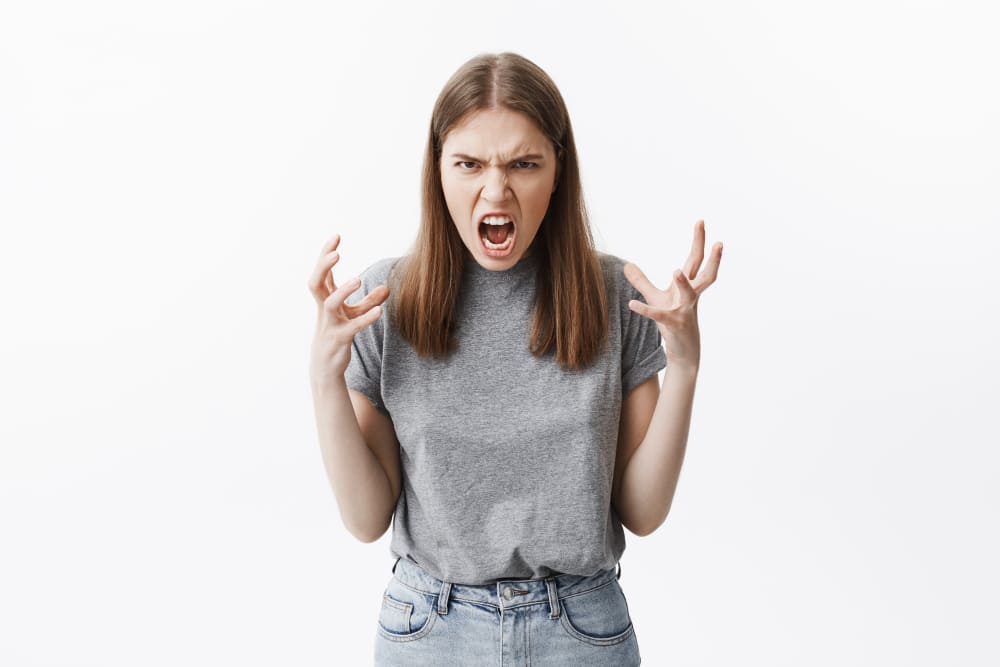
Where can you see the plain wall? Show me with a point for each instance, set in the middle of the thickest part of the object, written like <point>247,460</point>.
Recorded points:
<point>168,173</point>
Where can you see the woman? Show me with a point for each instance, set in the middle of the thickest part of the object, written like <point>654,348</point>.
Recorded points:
<point>505,412</point>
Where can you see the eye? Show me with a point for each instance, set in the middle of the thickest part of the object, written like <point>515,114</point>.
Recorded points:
<point>528,165</point>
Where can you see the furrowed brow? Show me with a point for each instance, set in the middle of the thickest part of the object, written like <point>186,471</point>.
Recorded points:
<point>531,156</point>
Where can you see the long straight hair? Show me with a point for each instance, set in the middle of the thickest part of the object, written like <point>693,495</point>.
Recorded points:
<point>570,300</point>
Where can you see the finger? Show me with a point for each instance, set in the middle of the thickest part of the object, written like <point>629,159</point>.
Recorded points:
<point>321,281</point>
<point>640,281</point>
<point>378,295</point>
<point>362,321</point>
<point>328,265</point>
<point>328,280</point>
<point>688,295</point>
<point>339,295</point>
<point>645,309</point>
<point>711,272</point>
<point>330,245</point>
<point>697,250</point>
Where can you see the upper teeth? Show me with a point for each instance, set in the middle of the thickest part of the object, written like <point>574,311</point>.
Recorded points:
<point>496,220</point>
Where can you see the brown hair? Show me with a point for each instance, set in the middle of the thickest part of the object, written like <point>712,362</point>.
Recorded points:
<point>570,301</point>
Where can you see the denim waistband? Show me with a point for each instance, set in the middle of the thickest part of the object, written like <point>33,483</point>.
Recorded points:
<point>503,593</point>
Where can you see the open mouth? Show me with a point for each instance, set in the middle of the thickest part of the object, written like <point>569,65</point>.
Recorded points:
<point>497,233</point>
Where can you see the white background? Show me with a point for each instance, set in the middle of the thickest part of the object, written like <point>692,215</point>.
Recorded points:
<point>168,172</point>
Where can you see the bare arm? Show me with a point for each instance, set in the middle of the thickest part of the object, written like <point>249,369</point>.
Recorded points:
<point>358,443</point>
<point>366,494</point>
<point>650,473</point>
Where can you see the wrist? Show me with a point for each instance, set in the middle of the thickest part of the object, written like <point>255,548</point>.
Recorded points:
<point>326,383</point>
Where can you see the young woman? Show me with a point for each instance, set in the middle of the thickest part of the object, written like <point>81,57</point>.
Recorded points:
<point>504,416</point>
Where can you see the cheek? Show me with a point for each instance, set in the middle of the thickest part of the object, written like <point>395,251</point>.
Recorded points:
<point>454,198</point>
<point>456,190</point>
<point>537,198</point>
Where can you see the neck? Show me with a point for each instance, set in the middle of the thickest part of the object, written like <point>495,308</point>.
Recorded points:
<point>526,266</point>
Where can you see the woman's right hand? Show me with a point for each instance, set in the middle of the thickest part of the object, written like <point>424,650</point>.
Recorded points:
<point>336,321</point>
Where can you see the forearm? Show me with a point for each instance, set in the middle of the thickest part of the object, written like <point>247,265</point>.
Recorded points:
<point>360,485</point>
<point>650,477</point>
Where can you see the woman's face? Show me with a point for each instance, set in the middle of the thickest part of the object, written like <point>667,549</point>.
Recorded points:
<point>497,161</point>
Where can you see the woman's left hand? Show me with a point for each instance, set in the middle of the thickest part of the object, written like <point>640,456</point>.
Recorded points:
<point>675,309</point>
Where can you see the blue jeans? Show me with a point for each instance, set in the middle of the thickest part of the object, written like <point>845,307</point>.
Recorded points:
<point>565,619</point>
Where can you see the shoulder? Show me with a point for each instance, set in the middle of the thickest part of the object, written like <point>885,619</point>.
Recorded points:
<point>614,277</point>
<point>378,272</point>
<point>612,264</point>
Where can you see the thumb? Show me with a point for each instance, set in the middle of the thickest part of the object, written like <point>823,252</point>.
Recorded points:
<point>639,281</point>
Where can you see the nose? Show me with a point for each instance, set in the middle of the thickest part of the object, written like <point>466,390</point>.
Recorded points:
<point>495,184</point>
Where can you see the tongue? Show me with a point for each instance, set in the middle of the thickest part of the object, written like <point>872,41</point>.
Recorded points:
<point>498,233</point>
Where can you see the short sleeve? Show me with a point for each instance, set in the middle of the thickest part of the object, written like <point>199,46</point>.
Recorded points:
<point>642,351</point>
<point>364,372</point>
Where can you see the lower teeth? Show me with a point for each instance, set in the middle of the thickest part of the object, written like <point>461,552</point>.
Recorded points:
<point>501,246</point>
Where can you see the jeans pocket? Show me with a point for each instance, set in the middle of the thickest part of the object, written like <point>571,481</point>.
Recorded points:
<point>599,616</point>
<point>406,614</point>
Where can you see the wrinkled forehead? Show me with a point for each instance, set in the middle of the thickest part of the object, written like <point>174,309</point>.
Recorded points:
<point>502,136</point>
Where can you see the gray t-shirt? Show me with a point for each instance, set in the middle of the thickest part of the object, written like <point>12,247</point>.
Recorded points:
<point>507,459</point>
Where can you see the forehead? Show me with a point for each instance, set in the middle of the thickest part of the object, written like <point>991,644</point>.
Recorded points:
<point>496,131</point>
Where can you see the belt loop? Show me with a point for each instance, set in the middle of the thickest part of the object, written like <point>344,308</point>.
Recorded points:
<point>443,597</point>
<point>554,609</point>
<point>394,564</point>
<point>619,570</point>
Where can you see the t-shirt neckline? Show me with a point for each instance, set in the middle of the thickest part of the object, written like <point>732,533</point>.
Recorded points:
<point>525,267</point>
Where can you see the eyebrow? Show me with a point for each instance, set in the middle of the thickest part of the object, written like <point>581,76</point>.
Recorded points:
<point>532,156</point>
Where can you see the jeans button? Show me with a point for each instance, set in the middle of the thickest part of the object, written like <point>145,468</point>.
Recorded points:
<point>507,593</point>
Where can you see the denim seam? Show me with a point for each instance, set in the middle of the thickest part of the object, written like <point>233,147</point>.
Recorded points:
<point>454,597</point>
<point>401,606</point>
<point>596,641</point>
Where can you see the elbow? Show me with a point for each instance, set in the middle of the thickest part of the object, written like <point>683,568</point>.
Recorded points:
<point>368,536</point>
<point>639,530</point>
<point>648,528</point>
<point>633,525</point>
<point>365,534</point>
